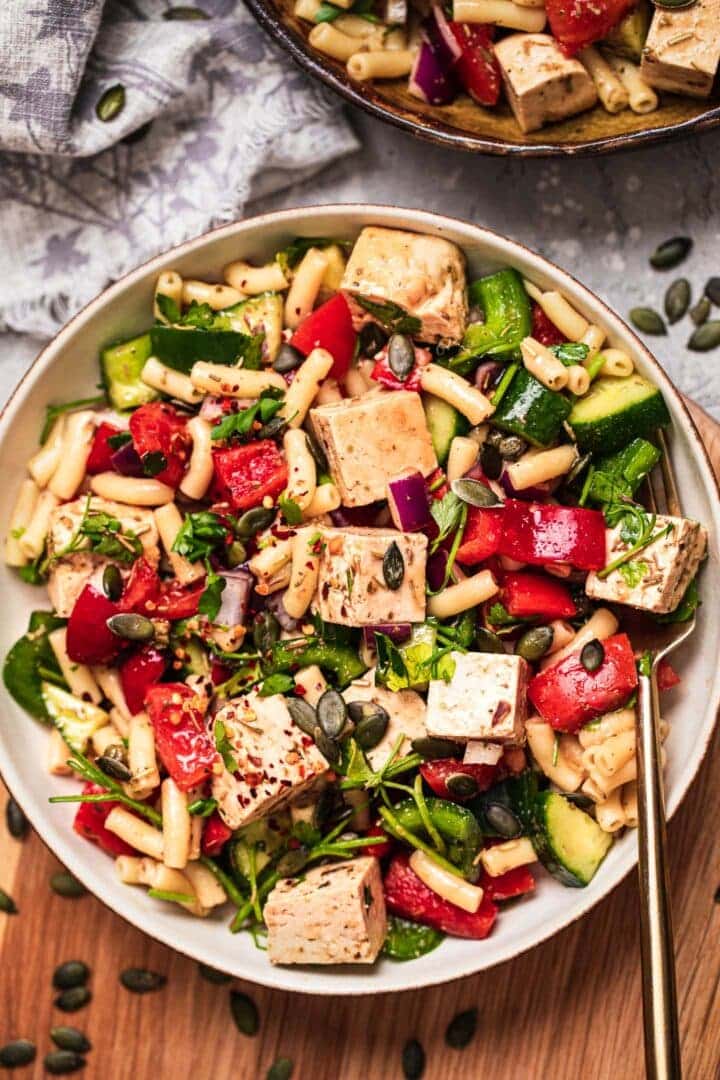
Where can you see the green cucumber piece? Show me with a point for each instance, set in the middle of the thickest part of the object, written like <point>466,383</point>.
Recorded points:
<point>628,37</point>
<point>569,843</point>
<point>408,940</point>
<point>21,670</point>
<point>508,319</point>
<point>530,410</point>
<point>261,314</point>
<point>623,472</point>
<point>121,366</point>
<point>444,423</point>
<point>516,795</point>
<point>180,349</point>
<point>616,410</point>
<point>75,719</point>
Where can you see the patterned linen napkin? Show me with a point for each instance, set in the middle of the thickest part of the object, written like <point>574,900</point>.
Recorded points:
<point>213,115</point>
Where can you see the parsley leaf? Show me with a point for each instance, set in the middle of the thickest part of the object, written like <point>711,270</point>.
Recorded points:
<point>201,316</point>
<point>53,411</point>
<point>224,747</point>
<point>104,535</point>
<point>633,572</point>
<point>240,425</point>
<point>168,308</point>
<point>290,510</point>
<point>199,535</point>
<point>290,256</point>
<point>211,598</point>
<point>277,684</point>
<point>447,514</point>
<point>571,352</point>
<point>394,318</point>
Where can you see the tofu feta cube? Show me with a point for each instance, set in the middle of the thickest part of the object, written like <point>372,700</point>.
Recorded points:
<point>682,50</point>
<point>371,439</point>
<point>656,578</point>
<point>332,915</point>
<point>406,711</point>
<point>486,698</point>
<point>351,585</point>
<point>542,85</point>
<point>275,760</point>
<point>422,275</point>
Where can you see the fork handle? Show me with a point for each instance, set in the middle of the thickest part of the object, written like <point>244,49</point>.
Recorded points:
<point>660,1017</point>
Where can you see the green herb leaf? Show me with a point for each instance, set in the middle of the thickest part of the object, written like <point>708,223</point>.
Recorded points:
<point>224,747</point>
<point>571,352</point>
<point>200,534</point>
<point>277,684</point>
<point>240,425</point>
<point>201,316</point>
<point>290,510</point>
<point>394,318</point>
<point>211,598</point>
<point>104,535</point>
<point>167,307</point>
<point>290,256</point>
<point>633,572</point>
<point>202,807</point>
<point>686,608</point>
<point>447,514</point>
<point>53,411</point>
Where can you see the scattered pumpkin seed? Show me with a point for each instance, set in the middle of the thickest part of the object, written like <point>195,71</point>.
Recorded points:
<point>491,461</point>
<point>700,312</point>
<point>677,299</point>
<point>413,1060</point>
<point>7,904</point>
<point>401,356</point>
<point>393,567</point>
<point>371,339</point>
<point>282,1069</point>
<point>647,321</point>
<point>70,1038</point>
<point>184,13</point>
<point>111,104</point>
<point>302,714</point>
<point>288,358</point>
<point>61,1062</point>
<point>486,641</point>
<point>475,492</point>
<point>118,770</point>
<point>706,337</point>
<point>64,884</point>
<point>112,582</point>
<point>71,973</point>
<point>511,447</point>
<point>244,1013</point>
<point>15,1054</point>
<point>141,980</point>
<point>433,749</point>
<point>535,642</point>
<point>503,820</point>
<point>212,975</point>
<point>462,785</point>
<point>712,290</point>
<point>328,747</point>
<point>371,729</point>
<point>292,862</point>
<point>592,655</point>
<point>131,627</point>
<point>117,752</point>
<point>331,713</point>
<point>254,521</point>
<point>17,823</point>
<point>671,252</point>
<point>461,1029</point>
<point>584,802</point>
<point>73,999</point>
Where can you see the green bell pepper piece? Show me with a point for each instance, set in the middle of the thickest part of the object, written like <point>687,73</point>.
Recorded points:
<point>455,823</point>
<point>339,660</point>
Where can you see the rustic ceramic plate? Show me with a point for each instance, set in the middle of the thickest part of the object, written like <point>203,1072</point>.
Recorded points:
<point>464,125</point>
<point>68,369</point>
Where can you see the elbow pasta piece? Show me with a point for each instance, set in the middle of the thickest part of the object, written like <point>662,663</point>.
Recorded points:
<point>606,784</point>
<point>108,680</point>
<point>534,291</point>
<point>571,749</point>
<point>208,889</point>
<point>543,364</point>
<point>59,753</point>
<point>170,382</point>
<point>357,27</point>
<point>602,624</point>
<point>305,286</point>
<point>142,760</point>
<point>393,38</point>
<point>457,392</point>
<point>537,466</point>
<point>254,280</point>
<point>79,677</point>
<point>169,522</point>
<point>466,594</point>
<point>43,464</point>
<point>20,518</point>
<point>568,321</point>
<point>131,490</point>
<point>500,13</point>
<point>328,392</point>
<point>385,64</point>
<point>32,541</point>
<point>594,338</point>
<point>614,753</point>
<point>169,284</point>
<point>452,888</point>
<point>303,389</point>
<point>333,43</point>
<point>302,472</point>
<point>311,684</point>
<point>226,381</point>
<point>613,723</point>
<point>643,98</point>
<point>304,574</point>
<point>578,380</point>
<point>609,812</point>
<point>629,796</point>
<point>176,825</point>
<point>307,9</point>
<point>134,831</point>
<point>120,720</point>
<point>325,499</point>
<point>550,756</point>
<point>617,363</point>
<point>271,566</point>
<point>500,858</point>
<point>209,292</point>
<point>199,474</point>
<point>463,455</point>
<point>611,91</point>
<point>76,444</point>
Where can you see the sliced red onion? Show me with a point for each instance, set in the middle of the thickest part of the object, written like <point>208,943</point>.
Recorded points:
<point>358,516</point>
<point>481,752</point>
<point>440,37</point>
<point>126,461</point>
<point>397,632</point>
<point>235,597</point>
<point>537,491</point>
<point>408,502</point>
<point>274,603</point>
<point>430,80</point>
<point>486,373</point>
<point>436,568</point>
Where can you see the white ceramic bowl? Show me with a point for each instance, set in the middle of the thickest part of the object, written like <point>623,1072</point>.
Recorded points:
<point>68,369</point>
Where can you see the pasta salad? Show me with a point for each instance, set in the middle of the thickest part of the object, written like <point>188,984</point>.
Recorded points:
<point>337,566</point>
<point>552,59</point>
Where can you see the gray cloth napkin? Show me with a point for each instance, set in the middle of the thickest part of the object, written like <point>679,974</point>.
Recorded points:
<point>213,115</point>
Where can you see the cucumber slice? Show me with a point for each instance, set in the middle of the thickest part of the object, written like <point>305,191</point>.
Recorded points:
<point>259,315</point>
<point>444,423</point>
<point>569,843</point>
<point>615,411</point>
<point>75,719</point>
<point>121,366</point>
<point>530,410</point>
<point>180,349</point>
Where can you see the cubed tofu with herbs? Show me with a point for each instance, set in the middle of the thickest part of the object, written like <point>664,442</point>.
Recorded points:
<point>656,578</point>
<point>423,276</point>
<point>682,50</point>
<point>352,589</point>
<point>331,915</point>
<point>274,759</point>
<point>542,85</point>
<point>486,698</point>
<point>371,439</point>
<point>406,716</point>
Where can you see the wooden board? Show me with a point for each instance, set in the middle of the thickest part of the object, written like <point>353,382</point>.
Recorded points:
<point>570,1008</point>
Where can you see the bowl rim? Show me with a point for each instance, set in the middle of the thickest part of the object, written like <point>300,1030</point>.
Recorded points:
<point>72,857</point>
<point>442,134</point>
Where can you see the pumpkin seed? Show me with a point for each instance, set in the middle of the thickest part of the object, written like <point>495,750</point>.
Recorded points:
<point>212,975</point>
<point>535,642</point>
<point>328,747</point>
<point>677,299</point>
<point>288,358</point>
<point>292,862</point>
<point>17,823</point>
<point>475,492</point>
<point>7,904</point>
<point>64,884</point>
<point>70,1038</point>
<point>511,447</point>
<point>184,13</point>
<point>61,1062</point>
<point>71,973</point>
<point>580,465</point>
<point>502,819</point>
<point>111,104</point>
<point>282,1069</point>
<point>647,321</point>
<point>592,655</point>
<point>413,1060</point>
<point>371,339</point>
<point>118,770</point>
<point>131,627</point>
<point>112,582</point>
<point>302,714</point>
<point>461,1029</point>
<point>235,554</point>
<point>393,567</point>
<point>491,462</point>
<point>371,729</point>
<point>72,999</point>
<point>244,1013</point>
<point>671,252</point>
<point>401,356</point>
<point>433,749</point>
<point>142,981</point>
<point>486,641</point>
<point>674,5</point>
<point>700,312</point>
<point>584,802</point>
<point>712,290</point>
<point>17,1053</point>
<point>706,337</point>
<point>117,752</point>
<point>331,713</point>
<point>462,785</point>
<point>254,521</point>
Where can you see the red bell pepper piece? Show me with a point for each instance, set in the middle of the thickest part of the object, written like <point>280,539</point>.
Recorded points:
<point>543,330</point>
<point>482,535</point>
<point>477,68</point>
<point>528,595</point>
<point>437,773</point>
<point>507,886</point>
<point>406,895</point>
<point>138,673</point>
<point>244,475</point>
<point>157,428</point>
<point>141,588</point>
<point>568,696</point>
<point>146,594</point>
<point>379,851</point>
<point>329,327</point>
<point>540,533</point>
<point>89,640</point>
<point>581,22</point>
<point>90,823</point>
<point>181,738</point>
<point>178,602</point>
<point>100,459</point>
<point>667,676</point>
<point>215,835</point>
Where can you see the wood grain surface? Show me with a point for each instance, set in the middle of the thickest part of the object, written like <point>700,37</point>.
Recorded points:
<point>570,1008</point>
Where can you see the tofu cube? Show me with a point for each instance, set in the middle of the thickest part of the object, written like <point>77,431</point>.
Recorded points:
<point>406,712</point>
<point>682,50</point>
<point>542,85</point>
<point>656,578</point>
<point>422,275</point>
<point>332,915</point>
<point>369,440</point>
<point>486,698</point>
<point>275,760</point>
<point>351,585</point>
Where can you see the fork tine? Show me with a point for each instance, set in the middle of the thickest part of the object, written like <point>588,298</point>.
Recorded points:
<point>671,491</point>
